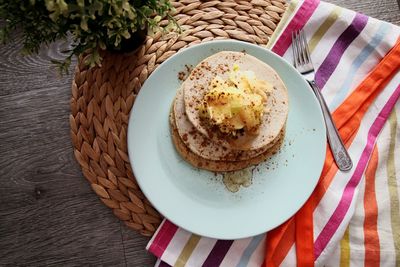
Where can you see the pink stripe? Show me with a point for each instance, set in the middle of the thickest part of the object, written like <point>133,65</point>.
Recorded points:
<point>338,215</point>
<point>164,236</point>
<point>298,21</point>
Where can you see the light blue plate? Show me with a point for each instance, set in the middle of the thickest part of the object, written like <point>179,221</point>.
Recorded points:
<point>197,200</point>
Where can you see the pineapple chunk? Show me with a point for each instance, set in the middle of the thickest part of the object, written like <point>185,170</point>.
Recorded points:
<point>236,103</point>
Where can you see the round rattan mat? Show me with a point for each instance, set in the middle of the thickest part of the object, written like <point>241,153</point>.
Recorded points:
<point>102,97</point>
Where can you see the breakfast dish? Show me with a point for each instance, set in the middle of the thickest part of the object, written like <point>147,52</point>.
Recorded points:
<point>269,193</point>
<point>230,113</point>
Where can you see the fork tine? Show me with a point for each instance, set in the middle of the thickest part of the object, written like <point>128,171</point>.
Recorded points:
<point>296,49</point>
<point>306,50</point>
<point>301,48</point>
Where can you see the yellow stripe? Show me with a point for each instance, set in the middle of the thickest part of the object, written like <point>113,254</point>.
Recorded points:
<point>285,18</point>
<point>393,187</point>
<point>345,249</point>
<point>332,17</point>
<point>187,250</point>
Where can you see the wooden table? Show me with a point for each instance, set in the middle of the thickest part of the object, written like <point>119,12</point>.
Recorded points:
<point>48,212</point>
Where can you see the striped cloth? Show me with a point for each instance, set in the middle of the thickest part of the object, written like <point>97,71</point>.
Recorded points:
<point>351,219</point>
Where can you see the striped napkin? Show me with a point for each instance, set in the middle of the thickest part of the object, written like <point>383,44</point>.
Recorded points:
<point>351,218</point>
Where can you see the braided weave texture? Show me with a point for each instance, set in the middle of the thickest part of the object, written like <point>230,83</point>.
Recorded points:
<point>102,97</point>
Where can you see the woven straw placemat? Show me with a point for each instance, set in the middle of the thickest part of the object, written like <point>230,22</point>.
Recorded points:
<point>102,97</point>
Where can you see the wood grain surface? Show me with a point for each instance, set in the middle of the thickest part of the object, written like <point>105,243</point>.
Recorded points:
<point>49,215</point>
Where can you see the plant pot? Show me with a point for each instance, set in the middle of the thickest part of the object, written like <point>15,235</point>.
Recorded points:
<point>131,44</point>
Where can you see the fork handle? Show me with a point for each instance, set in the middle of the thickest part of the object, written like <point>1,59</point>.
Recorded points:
<point>340,154</point>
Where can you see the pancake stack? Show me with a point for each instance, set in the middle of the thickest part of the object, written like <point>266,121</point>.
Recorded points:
<point>206,147</point>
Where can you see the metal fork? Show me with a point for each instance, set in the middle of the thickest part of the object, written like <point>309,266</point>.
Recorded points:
<point>303,64</point>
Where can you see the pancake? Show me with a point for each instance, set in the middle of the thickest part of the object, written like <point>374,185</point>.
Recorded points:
<point>276,108</point>
<point>202,146</point>
<point>220,166</point>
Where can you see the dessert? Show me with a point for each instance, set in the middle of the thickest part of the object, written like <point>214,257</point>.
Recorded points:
<point>230,113</point>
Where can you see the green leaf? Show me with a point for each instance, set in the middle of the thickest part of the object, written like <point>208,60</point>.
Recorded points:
<point>92,24</point>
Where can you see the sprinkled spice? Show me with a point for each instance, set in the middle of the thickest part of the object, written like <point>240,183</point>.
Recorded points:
<point>188,68</point>
<point>181,76</point>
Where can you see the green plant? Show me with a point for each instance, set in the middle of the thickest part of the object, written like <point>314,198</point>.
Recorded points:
<point>93,24</point>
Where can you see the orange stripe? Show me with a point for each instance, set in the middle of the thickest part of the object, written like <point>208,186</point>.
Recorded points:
<point>281,237</point>
<point>305,233</point>
<point>371,237</point>
<point>347,118</point>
